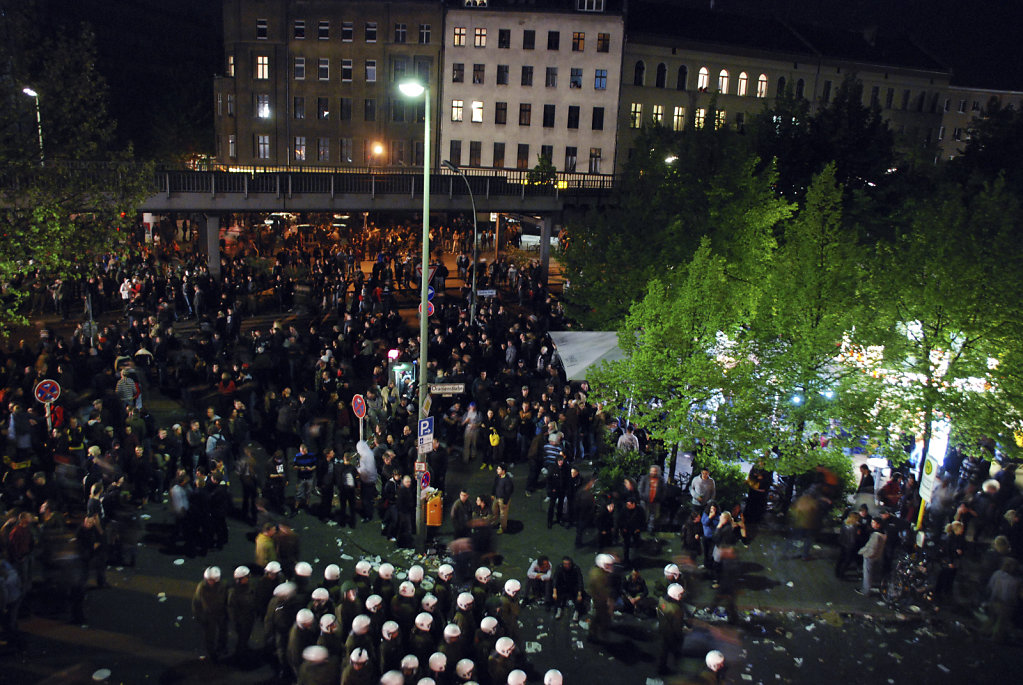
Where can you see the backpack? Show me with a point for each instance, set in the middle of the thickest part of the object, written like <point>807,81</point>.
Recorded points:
<point>494,438</point>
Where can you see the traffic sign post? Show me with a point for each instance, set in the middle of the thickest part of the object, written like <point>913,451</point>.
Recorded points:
<point>359,409</point>
<point>425,435</point>
<point>430,309</point>
<point>447,388</point>
<point>430,292</point>
<point>47,391</point>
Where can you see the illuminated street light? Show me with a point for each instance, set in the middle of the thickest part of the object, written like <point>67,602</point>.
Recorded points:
<point>39,121</point>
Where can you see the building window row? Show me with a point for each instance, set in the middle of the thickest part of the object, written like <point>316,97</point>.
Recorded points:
<point>703,80</point>
<point>575,79</point>
<point>459,39</point>
<point>347,31</point>
<point>525,114</point>
<point>522,159</point>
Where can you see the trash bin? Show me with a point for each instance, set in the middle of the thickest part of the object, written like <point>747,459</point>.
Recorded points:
<point>435,511</point>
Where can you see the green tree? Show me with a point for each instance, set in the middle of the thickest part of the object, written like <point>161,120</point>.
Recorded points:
<point>544,173</point>
<point>84,197</point>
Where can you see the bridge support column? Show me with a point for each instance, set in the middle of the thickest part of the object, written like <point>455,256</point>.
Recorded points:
<point>210,227</point>
<point>545,248</point>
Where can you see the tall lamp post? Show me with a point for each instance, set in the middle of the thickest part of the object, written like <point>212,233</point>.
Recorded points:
<point>39,121</point>
<point>450,166</point>
<point>414,89</point>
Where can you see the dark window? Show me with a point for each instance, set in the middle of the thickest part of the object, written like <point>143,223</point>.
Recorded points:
<point>826,92</point>
<point>547,151</point>
<point>346,109</point>
<point>573,116</point>
<point>781,85</point>
<point>370,110</point>
<point>548,116</point>
<point>323,30</point>
<point>300,108</point>
<point>875,94</point>
<point>299,29</point>
<point>527,76</point>
<point>498,155</point>
<point>347,32</point>
<point>528,39</point>
<point>398,110</point>
<point>500,112</point>
<point>800,87</point>
<point>502,74</point>
<point>553,40</point>
<point>662,75</point>
<point>889,98</point>
<point>457,72</point>
<point>478,73</point>
<point>551,79</point>
<point>598,119</point>
<point>400,33</point>
<point>475,152</point>
<point>262,29</point>
<point>504,38</point>
<point>322,108</point>
<point>522,158</point>
<point>683,76</point>
<point>455,154</point>
<point>525,113</point>
<point>639,74</point>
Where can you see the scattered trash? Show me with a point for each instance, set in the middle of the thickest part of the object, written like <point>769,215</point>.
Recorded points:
<point>331,524</point>
<point>179,562</point>
<point>532,648</point>
<point>798,661</point>
<point>790,584</point>
<point>944,669</point>
<point>161,597</point>
<point>540,636</point>
<point>346,557</point>
<point>145,517</point>
<point>811,626</point>
<point>746,676</point>
<point>654,681</point>
<point>101,675</point>
<point>896,656</point>
<point>579,645</point>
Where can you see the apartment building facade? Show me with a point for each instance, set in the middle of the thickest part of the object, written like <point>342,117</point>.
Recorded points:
<point>524,80</point>
<point>314,83</point>
<point>962,106</point>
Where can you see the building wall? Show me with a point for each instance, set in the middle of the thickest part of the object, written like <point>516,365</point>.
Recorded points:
<point>559,93</point>
<point>342,119</point>
<point>962,106</point>
<point>817,80</point>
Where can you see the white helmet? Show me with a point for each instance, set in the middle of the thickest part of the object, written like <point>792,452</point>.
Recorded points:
<point>675,591</point>
<point>464,601</point>
<point>410,661</point>
<point>429,601</point>
<point>483,574</point>
<point>445,571</point>
<point>505,646</point>
<point>415,574</point>
<point>359,655</point>
<point>715,660</point>
<point>328,622</point>
<point>424,621</point>
<point>512,587</point>
<point>361,624</point>
<point>304,618</point>
<point>438,661</point>
<point>389,629</point>
<point>212,573</point>
<point>671,571</point>
<point>241,572</point>
<point>315,654</point>
<point>552,677</point>
<point>427,681</point>
<point>392,678</point>
<point>605,561</point>
<point>406,589</point>
<point>303,569</point>
<point>284,590</point>
<point>386,571</point>
<point>362,568</point>
<point>452,631</point>
<point>517,677</point>
<point>373,603</point>
<point>464,668</point>
<point>488,625</point>
<point>273,567</point>
<point>320,594</point>
<point>332,572</point>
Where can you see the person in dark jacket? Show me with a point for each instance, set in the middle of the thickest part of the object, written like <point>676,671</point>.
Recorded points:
<point>567,586</point>
<point>557,486</point>
<point>848,545</point>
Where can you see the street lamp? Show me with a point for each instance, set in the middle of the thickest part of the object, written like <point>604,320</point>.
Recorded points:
<point>414,89</point>
<point>475,237</point>
<point>39,121</point>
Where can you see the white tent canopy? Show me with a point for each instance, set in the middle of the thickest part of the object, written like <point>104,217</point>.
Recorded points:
<point>581,350</point>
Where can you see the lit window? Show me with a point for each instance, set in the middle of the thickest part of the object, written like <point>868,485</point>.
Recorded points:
<point>424,34</point>
<point>323,150</point>
<point>477,112</point>
<point>456,110</point>
<point>589,5</point>
<point>230,65</point>
<point>636,115</point>
<point>371,71</point>
<point>720,118</point>
<point>299,148</point>
<point>479,73</point>
<point>323,69</point>
<point>263,147</point>
<point>263,105</point>
<point>232,146</point>
<point>262,67</point>
<point>346,70</point>
<point>701,115</point>
<point>703,80</point>
<point>594,160</point>
<point>479,38</point>
<point>600,79</point>
<point>578,41</point>
<point>723,82</point>
<point>299,33</point>
<point>400,33</point>
<point>575,79</point>
<point>743,84</point>
<point>299,68</point>
<point>678,119</point>
<point>658,114</point>
<point>459,37</point>
<point>323,30</point>
<point>347,31</point>
<point>762,86</point>
<point>262,29</point>
<point>603,42</point>
<point>371,32</point>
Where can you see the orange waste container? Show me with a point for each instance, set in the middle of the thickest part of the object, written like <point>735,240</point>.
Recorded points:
<point>435,511</point>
